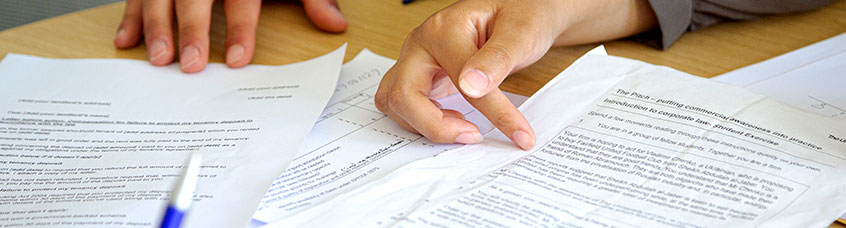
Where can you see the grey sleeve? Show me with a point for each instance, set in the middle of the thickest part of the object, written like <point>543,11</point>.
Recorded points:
<point>675,17</point>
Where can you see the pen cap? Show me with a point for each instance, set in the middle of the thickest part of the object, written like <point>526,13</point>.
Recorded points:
<point>183,193</point>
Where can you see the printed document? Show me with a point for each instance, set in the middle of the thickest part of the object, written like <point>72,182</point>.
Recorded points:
<point>620,143</point>
<point>101,142</point>
<point>810,78</point>
<point>353,143</point>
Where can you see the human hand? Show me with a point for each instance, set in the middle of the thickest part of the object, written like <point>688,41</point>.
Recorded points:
<point>476,44</point>
<point>155,18</point>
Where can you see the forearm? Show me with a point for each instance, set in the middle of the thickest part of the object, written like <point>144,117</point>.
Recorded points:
<point>603,20</point>
<point>676,17</point>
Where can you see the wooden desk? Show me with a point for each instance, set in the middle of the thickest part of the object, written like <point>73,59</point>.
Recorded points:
<point>285,36</point>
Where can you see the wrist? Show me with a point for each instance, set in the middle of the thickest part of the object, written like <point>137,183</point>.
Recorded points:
<point>603,20</point>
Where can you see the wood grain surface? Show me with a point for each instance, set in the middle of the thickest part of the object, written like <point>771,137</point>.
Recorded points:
<point>286,36</point>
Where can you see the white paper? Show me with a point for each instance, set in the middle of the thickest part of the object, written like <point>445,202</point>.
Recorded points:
<point>811,78</point>
<point>353,143</point>
<point>101,142</point>
<point>621,143</point>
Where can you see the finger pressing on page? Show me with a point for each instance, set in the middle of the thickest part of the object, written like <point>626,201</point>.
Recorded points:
<point>438,125</point>
<point>241,21</point>
<point>504,52</point>
<point>403,96</point>
<point>461,53</point>
<point>193,19</point>
<point>129,30</point>
<point>502,114</point>
<point>158,31</point>
<point>326,15</point>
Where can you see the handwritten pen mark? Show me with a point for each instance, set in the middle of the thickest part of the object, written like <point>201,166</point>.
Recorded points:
<point>822,105</point>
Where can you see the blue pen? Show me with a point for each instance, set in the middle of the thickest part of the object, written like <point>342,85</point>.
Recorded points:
<point>183,193</point>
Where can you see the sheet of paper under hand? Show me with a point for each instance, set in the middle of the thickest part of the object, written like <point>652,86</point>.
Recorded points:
<point>100,142</point>
<point>621,143</point>
<point>353,143</point>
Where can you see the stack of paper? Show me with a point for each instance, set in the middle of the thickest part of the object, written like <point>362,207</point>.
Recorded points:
<point>810,78</point>
<point>621,143</point>
<point>353,143</point>
<point>100,143</point>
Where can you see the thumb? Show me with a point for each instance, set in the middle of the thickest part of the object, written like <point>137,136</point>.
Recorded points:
<point>325,15</point>
<point>508,49</point>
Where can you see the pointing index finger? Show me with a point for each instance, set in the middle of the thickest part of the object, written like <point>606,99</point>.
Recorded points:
<point>499,110</point>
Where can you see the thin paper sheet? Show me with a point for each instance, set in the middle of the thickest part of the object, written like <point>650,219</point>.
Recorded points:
<point>621,143</point>
<point>810,78</point>
<point>101,142</point>
<point>353,143</point>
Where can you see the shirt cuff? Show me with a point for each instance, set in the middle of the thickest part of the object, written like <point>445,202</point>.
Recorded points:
<point>674,18</point>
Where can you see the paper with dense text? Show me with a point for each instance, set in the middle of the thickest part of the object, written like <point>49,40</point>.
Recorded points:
<point>810,78</point>
<point>621,143</point>
<point>353,143</point>
<point>101,142</point>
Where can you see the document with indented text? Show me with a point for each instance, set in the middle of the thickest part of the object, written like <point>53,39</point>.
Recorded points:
<point>101,142</point>
<point>353,143</point>
<point>810,78</point>
<point>620,143</point>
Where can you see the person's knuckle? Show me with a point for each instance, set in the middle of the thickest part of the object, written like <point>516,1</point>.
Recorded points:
<point>396,99</point>
<point>127,22</point>
<point>504,119</point>
<point>153,25</point>
<point>413,34</point>
<point>131,15</point>
<point>437,20</point>
<point>436,23</point>
<point>238,28</point>
<point>437,135</point>
<point>420,33</point>
<point>239,35</point>
<point>525,23</point>
<point>533,45</point>
<point>499,53</point>
<point>190,28</point>
<point>381,101</point>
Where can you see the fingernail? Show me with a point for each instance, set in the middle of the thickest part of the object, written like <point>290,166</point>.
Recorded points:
<point>439,90</point>
<point>523,140</point>
<point>190,56</point>
<point>469,138</point>
<point>234,53</point>
<point>474,82</point>
<point>157,50</point>
<point>437,104</point>
<point>120,33</point>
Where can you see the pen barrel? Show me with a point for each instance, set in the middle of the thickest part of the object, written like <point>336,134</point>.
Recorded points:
<point>172,217</point>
